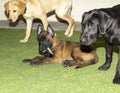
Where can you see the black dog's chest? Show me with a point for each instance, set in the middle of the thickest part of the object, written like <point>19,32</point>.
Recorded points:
<point>113,38</point>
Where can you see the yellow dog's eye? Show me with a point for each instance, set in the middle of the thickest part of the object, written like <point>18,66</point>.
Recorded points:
<point>14,11</point>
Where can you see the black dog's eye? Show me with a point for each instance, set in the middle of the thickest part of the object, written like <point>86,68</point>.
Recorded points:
<point>95,15</point>
<point>91,25</point>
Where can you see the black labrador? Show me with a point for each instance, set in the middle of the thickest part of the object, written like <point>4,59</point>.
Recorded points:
<point>104,22</point>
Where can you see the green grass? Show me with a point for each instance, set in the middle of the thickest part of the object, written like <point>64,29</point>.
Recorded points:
<point>18,77</point>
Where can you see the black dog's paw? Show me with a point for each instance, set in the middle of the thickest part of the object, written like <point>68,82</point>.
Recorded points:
<point>116,80</point>
<point>65,63</point>
<point>104,67</point>
<point>26,60</point>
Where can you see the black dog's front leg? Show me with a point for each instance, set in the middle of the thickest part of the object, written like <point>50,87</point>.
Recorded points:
<point>109,52</point>
<point>116,79</point>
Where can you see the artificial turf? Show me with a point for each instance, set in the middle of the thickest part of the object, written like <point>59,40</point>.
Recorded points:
<point>18,77</point>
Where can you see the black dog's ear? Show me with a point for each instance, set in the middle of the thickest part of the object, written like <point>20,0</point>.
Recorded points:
<point>39,29</point>
<point>50,31</point>
<point>105,22</point>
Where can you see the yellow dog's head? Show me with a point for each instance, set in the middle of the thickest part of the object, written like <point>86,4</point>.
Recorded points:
<point>14,8</point>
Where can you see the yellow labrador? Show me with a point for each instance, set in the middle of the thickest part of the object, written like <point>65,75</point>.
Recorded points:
<point>31,9</point>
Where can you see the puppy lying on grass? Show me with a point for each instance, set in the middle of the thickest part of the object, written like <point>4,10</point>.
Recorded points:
<point>54,50</point>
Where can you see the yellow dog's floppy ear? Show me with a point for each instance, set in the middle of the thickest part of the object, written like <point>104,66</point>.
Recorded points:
<point>6,6</point>
<point>21,7</point>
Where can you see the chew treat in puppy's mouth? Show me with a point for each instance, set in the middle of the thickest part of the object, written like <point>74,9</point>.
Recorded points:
<point>50,50</point>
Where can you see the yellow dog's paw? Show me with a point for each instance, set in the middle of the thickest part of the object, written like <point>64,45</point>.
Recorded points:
<point>23,41</point>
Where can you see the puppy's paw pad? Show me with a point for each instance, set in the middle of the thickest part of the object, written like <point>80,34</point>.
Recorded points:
<point>65,63</point>
<point>26,60</point>
<point>33,63</point>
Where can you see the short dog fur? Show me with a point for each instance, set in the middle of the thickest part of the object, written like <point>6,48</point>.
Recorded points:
<point>31,9</point>
<point>70,53</point>
<point>106,23</point>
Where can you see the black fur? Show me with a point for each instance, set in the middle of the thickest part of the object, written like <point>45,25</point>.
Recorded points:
<point>44,40</point>
<point>104,22</point>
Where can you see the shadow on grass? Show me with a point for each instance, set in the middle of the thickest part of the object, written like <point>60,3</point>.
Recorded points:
<point>101,43</point>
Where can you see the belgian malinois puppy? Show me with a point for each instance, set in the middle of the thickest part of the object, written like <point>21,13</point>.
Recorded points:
<point>54,50</point>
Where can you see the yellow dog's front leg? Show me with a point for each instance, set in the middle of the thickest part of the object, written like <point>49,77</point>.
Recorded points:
<point>28,30</point>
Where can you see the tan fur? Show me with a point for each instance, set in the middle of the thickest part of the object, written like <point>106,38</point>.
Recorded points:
<point>39,9</point>
<point>66,50</point>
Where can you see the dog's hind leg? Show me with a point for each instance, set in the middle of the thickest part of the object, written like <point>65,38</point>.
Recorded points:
<point>85,63</point>
<point>78,63</point>
<point>28,30</point>
<point>62,12</point>
<point>69,31</point>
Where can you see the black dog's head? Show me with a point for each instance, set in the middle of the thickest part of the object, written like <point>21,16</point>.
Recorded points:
<point>94,22</point>
<point>45,40</point>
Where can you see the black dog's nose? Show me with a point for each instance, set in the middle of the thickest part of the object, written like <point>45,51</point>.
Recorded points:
<point>82,40</point>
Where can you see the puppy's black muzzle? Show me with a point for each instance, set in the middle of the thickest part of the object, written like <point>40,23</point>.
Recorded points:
<point>45,52</point>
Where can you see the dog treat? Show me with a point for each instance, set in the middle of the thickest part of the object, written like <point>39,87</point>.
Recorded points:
<point>49,50</point>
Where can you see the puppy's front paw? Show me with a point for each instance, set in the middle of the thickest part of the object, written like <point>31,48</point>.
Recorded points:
<point>26,60</point>
<point>34,63</point>
<point>65,63</point>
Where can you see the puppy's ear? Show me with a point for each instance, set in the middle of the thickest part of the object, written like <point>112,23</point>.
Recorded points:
<point>39,29</point>
<point>50,31</point>
<point>21,6</point>
<point>6,6</point>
